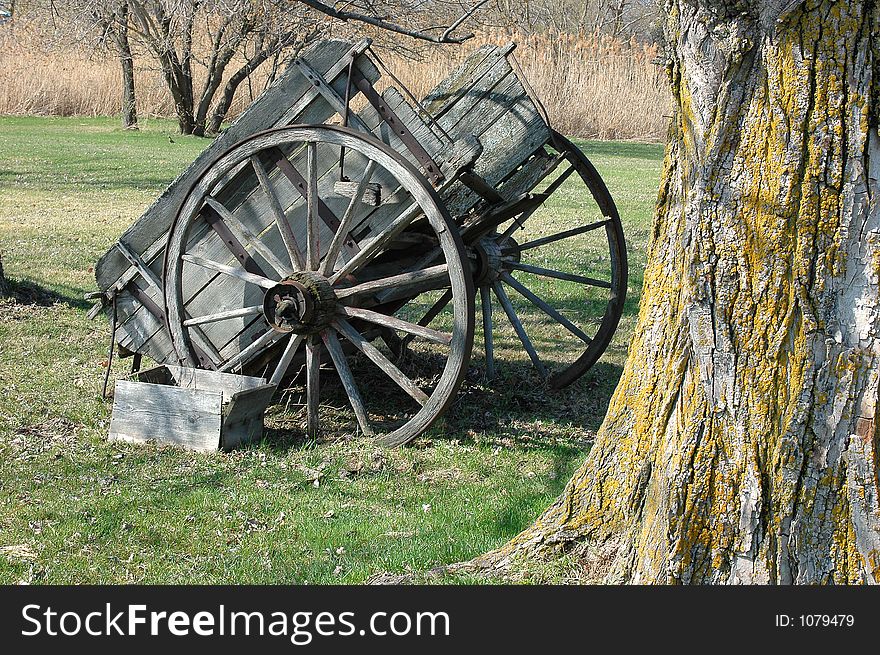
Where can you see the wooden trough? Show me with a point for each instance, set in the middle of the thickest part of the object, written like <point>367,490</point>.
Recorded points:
<point>194,408</point>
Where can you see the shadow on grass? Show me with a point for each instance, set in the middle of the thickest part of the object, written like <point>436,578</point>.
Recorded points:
<point>515,409</point>
<point>519,395</point>
<point>26,292</point>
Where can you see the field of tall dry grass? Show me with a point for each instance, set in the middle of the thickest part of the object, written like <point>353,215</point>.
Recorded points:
<point>592,87</point>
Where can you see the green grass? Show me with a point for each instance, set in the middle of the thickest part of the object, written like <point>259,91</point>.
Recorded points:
<point>75,509</point>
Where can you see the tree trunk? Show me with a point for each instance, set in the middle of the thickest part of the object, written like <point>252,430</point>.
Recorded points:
<point>740,445</point>
<point>180,84</point>
<point>129,102</point>
<point>226,98</point>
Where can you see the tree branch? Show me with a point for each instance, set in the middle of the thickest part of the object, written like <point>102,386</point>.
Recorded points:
<point>384,24</point>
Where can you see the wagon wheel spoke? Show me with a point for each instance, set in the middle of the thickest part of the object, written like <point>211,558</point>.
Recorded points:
<point>286,357</point>
<point>232,271</point>
<point>264,341</point>
<point>431,314</point>
<point>566,234</point>
<point>313,252</point>
<point>402,284</point>
<point>369,249</point>
<point>287,236</point>
<point>443,338</point>
<point>375,355</point>
<point>519,221</point>
<point>559,275</point>
<point>345,224</point>
<point>223,316</point>
<point>436,308</point>
<point>344,372</point>
<point>518,326</point>
<point>313,386</point>
<point>547,309</point>
<point>486,303</point>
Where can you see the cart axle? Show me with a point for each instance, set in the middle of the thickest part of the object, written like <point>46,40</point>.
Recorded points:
<point>303,303</point>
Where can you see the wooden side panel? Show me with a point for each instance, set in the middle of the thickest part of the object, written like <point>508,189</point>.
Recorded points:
<point>510,129</point>
<point>527,177</point>
<point>155,375</point>
<point>243,420</point>
<point>226,384</point>
<point>485,98</point>
<point>460,79</point>
<point>154,412</point>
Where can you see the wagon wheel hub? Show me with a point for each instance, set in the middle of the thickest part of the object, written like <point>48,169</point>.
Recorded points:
<point>491,255</point>
<point>303,303</point>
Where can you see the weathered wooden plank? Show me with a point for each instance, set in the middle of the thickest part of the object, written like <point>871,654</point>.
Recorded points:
<point>451,86</point>
<point>156,287</point>
<point>243,417</point>
<point>491,88</point>
<point>433,145</point>
<point>138,329</point>
<point>147,412</point>
<point>527,177</point>
<point>245,236</point>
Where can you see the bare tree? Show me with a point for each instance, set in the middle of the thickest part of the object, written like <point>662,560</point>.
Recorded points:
<point>230,39</point>
<point>101,24</point>
<point>181,34</point>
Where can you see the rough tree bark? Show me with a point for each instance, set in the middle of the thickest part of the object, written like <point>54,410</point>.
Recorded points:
<point>741,444</point>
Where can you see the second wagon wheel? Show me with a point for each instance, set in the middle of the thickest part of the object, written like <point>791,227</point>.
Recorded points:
<point>558,271</point>
<point>290,256</point>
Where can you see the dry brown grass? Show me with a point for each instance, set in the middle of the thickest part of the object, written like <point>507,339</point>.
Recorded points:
<point>591,87</point>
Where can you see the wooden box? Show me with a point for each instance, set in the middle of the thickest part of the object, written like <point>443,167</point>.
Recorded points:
<point>197,409</point>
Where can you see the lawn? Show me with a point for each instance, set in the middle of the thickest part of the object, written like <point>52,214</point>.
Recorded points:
<point>76,509</point>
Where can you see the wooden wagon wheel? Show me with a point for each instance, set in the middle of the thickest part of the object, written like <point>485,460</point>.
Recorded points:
<point>539,258</point>
<point>322,279</point>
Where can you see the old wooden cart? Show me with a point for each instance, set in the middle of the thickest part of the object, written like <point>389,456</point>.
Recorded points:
<point>355,233</point>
